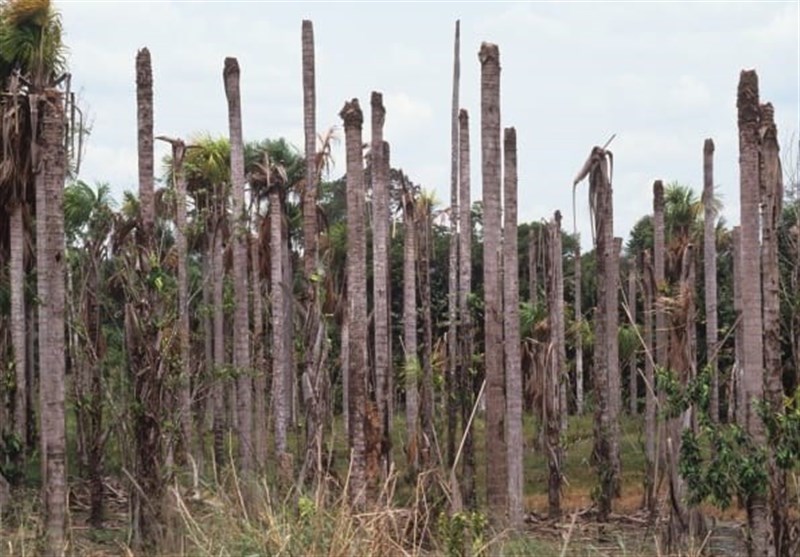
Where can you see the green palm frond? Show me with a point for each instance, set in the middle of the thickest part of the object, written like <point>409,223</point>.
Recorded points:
<point>31,39</point>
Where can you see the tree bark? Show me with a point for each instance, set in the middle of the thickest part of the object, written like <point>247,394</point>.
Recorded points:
<point>49,183</point>
<point>356,299</point>
<point>411,360</point>
<point>465,377</point>
<point>771,183</point>
<point>579,326</point>
<point>710,275</point>
<point>513,359</point>
<point>752,323</point>
<point>452,277</point>
<point>280,358</point>
<point>648,291</point>
<point>497,472</point>
<point>427,449</point>
<point>241,326</point>
<point>633,374</point>
<point>16,240</point>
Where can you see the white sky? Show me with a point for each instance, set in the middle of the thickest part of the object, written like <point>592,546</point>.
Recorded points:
<point>662,76</point>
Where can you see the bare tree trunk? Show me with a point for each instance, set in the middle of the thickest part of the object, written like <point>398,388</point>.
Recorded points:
<point>356,299</point>
<point>614,379</point>
<point>219,384</point>
<point>662,344</point>
<point>533,269</point>
<point>411,361</point>
<point>557,360</point>
<point>241,326</point>
<point>452,277</point>
<point>752,324</point>
<point>633,374</point>
<point>259,363</point>
<point>497,473</point>
<point>771,182</point>
<point>513,358</point>
<point>49,183</point>
<point>310,255</point>
<point>380,203</point>
<point>280,358</point>
<point>710,274</point>
<point>16,240</point>
<point>579,326</point>
<point>648,291</point>
<point>737,393</point>
<point>427,450</point>
<point>464,379</point>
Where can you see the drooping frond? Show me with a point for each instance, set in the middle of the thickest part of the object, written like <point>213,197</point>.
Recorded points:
<point>31,40</point>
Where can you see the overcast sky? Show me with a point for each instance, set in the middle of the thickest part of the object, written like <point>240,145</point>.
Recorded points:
<point>662,76</point>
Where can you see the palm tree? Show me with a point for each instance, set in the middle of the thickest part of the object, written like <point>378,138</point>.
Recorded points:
<point>424,216</point>
<point>356,299</point>
<point>648,295</point>
<point>310,132</point>
<point>578,327</point>
<point>241,346</point>
<point>771,187</point>
<point>512,336</point>
<point>752,323</point>
<point>497,472</point>
<point>633,390</point>
<point>710,274</point>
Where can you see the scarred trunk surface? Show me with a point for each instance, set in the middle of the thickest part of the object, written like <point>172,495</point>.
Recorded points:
<point>356,299</point>
<point>496,467</point>
<point>241,326</point>
<point>16,277</point>
<point>513,357</point>
<point>752,322</point>
<point>710,274</point>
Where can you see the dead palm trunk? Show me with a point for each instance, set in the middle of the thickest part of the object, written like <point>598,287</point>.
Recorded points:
<point>737,394</point>
<point>512,335</point>
<point>17,283</point>
<point>411,361</point>
<point>661,351</point>
<point>427,452</point>
<point>752,324</point>
<point>771,182</point>
<point>241,326</point>
<point>533,270</point>
<point>356,300</point>
<point>380,204</point>
<point>184,389</point>
<point>579,328</point>
<point>633,389</point>
<point>605,352</point>
<point>280,358</point>
<point>218,281</point>
<point>49,184</point>
<point>452,277</point>
<point>310,254</point>
<point>497,472</point>
<point>648,292</point>
<point>259,363</point>
<point>464,380</point>
<point>557,361</point>
<point>710,274</point>
<point>614,379</point>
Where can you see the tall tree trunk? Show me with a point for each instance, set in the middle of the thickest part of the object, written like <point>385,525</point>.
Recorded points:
<point>427,449</point>
<point>633,374</point>
<point>184,392</point>
<point>497,472</point>
<point>259,363</point>
<point>356,299</point>
<point>280,357</point>
<point>579,327</point>
<point>452,269</point>
<point>411,361</point>
<point>614,379</point>
<point>241,326</point>
<point>710,274</point>
<point>16,239</point>
<point>771,182</point>
<point>648,291</point>
<point>380,204</point>
<point>49,183</point>
<point>142,337</point>
<point>737,393</point>
<point>513,357</point>
<point>465,383</point>
<point>533,268</point>
<point>218,282</point>
<point>752,324</point>
<point>661,351</point>
<point>310,255</point>
<point>557,360</point>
